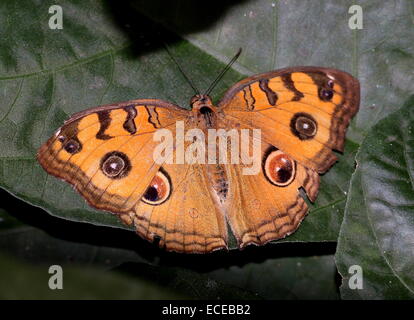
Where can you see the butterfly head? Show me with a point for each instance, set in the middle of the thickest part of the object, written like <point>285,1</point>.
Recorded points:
<point>200,101</point>
<point>203,109</point>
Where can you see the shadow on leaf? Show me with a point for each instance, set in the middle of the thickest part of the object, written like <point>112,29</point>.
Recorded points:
<point>144,21</point>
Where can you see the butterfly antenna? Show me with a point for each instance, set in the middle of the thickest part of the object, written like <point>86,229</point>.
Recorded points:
<point>223,72</point>
<point>181,70</point>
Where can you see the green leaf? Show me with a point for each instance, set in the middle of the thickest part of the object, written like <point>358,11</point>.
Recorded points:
<point>287,278</point>
<point>25,281</point>
<point>26,252</point>
<point>112,51</point>
<point>109,258</point>
<point>378,229</point>
<point>32,244</point>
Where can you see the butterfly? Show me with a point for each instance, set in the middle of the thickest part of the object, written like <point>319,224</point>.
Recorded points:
<point>302,113</point>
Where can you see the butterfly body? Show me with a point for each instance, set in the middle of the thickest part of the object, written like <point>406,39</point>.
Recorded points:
<point>277,130</point>
<point>204,111</point>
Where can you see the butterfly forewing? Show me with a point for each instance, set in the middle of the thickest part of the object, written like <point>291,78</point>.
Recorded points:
<point>106,152</point>
<point>303,111</point>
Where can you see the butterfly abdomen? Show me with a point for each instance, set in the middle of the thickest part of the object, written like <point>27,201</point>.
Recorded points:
<point>219,181</point>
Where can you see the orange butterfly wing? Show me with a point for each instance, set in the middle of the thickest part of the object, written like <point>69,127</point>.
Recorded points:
<point>106,152</point>
<point>303,114</point>
<point>278,102</point>
<point>190,220</point>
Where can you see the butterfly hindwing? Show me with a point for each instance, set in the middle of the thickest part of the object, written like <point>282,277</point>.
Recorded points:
<point>189,220</point>
<point>268,205</point>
